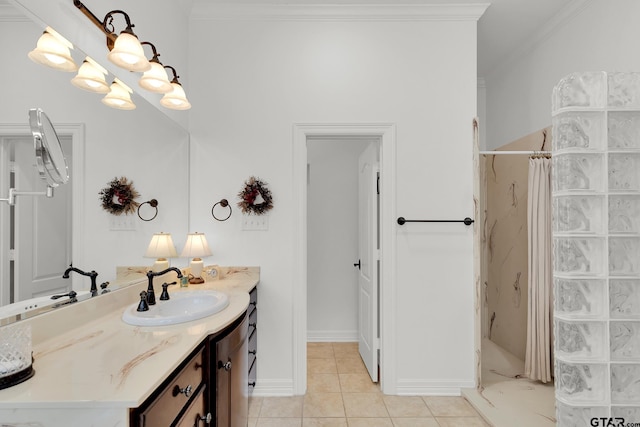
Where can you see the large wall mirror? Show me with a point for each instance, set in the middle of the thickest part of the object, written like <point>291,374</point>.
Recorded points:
<point>101,143</point>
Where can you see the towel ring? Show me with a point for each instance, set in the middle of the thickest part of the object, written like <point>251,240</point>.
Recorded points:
<point>154,204</point>
<point>225,204</point>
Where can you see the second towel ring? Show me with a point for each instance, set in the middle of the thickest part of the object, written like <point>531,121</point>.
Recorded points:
<point>154,204</point>
<point>225,204</point>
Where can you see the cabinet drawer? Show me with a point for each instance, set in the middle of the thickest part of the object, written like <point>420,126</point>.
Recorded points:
<point>166,407</point>
<point>197,414</point>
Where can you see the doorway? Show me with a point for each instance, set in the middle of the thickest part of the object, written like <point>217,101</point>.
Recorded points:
<point>61,230</point>
<point>385,134</point>
<point>342,230</point>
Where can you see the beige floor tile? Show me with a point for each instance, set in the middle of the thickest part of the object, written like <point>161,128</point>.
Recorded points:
<point>370,422</point>
<point>357,383</point>
<point>279,422</point>
<point>255,403</point>
<point>360,405</point>
<point>461,422</point>
<point>281,407</point>
<point>319,350</point>
<point>321,366</point>
<point>324,422</point>
<point>252,422</point>
<point>320,405</point>
<point>415,422</point>
<point>406,406</point>
<point>346,350</point>
<point>350,365</point>
<point>323,383</point>
<point>449,406</point>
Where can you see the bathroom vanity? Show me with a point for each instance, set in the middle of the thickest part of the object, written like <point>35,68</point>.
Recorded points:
<point>92,369</point>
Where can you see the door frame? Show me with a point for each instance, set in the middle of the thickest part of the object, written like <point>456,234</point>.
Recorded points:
<point>386,133</point>
<point>77,134</point>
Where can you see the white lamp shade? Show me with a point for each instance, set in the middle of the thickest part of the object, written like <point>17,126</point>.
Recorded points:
<point>119,96</point>
<point>196,246</point>
<point>127,53</point>
<point>156,79</point>
<point>161,246</point>
<point>91,78</point>
<point>52,52</point>
<point>176,99</point>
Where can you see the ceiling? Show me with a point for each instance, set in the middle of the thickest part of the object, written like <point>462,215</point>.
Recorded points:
<point>506,26</point>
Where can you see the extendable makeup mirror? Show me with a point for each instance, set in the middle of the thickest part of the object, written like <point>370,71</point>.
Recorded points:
<point>50,160</point>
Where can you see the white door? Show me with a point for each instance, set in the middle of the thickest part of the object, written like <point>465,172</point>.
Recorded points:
<point>368,342</point>
<point>42,228</point>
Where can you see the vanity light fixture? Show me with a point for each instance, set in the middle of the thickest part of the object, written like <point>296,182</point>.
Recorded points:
<point>91,77</point>
<point>196,248</point>
<point>155,79</point>
<point>125,49</point>
<point>119,96</point>
<point>176,99</point>
<point>161,247</point>
<point>54,51</point>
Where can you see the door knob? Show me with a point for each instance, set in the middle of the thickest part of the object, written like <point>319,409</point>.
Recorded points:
<point>357,265</point>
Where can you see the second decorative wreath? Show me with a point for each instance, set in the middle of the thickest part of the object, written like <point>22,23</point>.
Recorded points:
<point>255,197</point>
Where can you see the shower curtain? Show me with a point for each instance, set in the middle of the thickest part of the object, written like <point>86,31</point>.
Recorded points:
<point>539,357</point>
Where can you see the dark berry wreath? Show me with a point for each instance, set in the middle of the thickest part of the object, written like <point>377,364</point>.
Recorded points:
<point>119,197</point>
<point>255,197</point>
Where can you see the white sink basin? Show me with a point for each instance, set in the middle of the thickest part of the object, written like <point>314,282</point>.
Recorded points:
<point>182,307</point>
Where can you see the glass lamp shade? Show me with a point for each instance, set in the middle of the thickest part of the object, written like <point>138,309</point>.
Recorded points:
<point>119,96</point>
<point>155,79</point>
<point>52,52</point>
<point>196,247</point>
<point>161,247</point>
<point>176,99</point>
<point>127,53</point>
<point>91,78</point>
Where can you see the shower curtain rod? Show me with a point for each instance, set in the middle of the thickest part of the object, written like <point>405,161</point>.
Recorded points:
<point>514,152</point>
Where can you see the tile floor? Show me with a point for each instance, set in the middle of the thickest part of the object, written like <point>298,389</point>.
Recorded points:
<point>341,394</point>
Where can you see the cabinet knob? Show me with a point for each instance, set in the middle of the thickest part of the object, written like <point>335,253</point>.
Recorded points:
<point>186,391</point>
<point>207,419</point>
<point>226,366</point>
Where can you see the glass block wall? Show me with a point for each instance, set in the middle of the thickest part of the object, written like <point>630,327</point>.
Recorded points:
<point>596,238</point>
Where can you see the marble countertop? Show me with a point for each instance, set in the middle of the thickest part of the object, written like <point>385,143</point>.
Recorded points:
<point>106,363</point>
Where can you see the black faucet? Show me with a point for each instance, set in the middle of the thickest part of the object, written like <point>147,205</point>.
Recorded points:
<point>151,297</point>
<point>92,274</point>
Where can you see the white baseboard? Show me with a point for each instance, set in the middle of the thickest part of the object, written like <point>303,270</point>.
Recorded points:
<point>269,388</point>
<point>332,336</point>
<point>432,388</point>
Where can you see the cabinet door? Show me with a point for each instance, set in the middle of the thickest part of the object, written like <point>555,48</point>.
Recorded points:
<point>196,415</point>
<point>231,378</point>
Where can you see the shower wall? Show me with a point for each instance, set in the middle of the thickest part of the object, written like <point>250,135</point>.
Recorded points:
<point>505,265</point>
<point>596,233</point>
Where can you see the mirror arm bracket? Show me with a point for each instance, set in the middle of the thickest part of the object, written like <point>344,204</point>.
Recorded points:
<point>13,193</point>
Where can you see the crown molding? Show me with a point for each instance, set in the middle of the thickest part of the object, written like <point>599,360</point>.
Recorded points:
<point>9,13</point>
<point>566,14</point>
<point>319,12</point>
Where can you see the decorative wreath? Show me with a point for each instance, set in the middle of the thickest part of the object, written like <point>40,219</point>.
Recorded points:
<point>119,197</point>
<point>255,197</point>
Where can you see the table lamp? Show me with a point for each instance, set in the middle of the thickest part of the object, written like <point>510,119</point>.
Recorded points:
<point>196,248</point>
<point>161,247</point>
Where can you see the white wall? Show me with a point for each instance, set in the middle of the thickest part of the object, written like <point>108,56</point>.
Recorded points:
<point>253,79</point>
<point>142,145</point>
<point>601,37</point>
<point>332,233</point>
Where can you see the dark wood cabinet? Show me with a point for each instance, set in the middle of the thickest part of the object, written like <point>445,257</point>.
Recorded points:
<point>210,385</point>
<point>253,338</point>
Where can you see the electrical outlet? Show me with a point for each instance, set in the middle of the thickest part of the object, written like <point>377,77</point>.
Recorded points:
<point>122,223</point>
<point>255,222</point>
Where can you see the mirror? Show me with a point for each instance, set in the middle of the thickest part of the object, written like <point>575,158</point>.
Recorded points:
<point>99,143</point>
<point>50,160</point>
